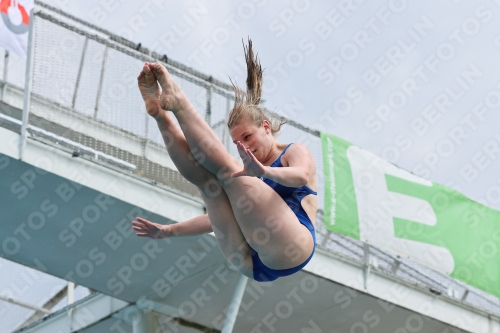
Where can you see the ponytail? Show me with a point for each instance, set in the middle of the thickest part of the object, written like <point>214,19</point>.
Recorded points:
<point>246,103</point>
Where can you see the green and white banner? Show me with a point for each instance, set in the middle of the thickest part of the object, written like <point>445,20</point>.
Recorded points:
<point>372,200</point>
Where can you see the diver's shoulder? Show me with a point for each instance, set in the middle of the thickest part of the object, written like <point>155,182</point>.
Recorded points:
<point>298,151</point>
<point>299,147</point>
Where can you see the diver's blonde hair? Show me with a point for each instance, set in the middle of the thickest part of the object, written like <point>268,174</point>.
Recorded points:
<point>247,103</point>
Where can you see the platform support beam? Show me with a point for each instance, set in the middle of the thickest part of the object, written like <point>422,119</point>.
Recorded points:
<point>235,304</point>
<point>28,84</point>
<point>145,322</point>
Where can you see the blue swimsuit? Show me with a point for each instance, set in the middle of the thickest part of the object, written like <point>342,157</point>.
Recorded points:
<point>292,196</point>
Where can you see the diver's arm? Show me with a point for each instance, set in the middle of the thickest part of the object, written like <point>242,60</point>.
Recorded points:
<point>195,226</point>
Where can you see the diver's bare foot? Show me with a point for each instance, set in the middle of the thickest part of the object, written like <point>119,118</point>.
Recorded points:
<point>172,97</point>
<point>150,92</point>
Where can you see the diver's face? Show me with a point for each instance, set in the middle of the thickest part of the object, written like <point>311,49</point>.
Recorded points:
<point>253,137</point>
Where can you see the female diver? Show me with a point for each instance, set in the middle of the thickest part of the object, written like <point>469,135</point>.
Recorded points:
<point>262,212</point>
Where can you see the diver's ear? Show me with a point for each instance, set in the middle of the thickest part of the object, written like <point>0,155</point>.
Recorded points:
<point>266,125</point>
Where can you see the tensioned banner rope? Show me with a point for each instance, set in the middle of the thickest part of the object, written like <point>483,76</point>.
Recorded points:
<point>372,200</point>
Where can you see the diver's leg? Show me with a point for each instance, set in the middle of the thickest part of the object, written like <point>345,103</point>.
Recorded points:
<point>203,142</point>
<point>173,137</point>
<point>228,234</point>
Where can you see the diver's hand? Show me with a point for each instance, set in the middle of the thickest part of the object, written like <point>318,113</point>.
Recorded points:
<point>146,228</point>
<point>252,167</point>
